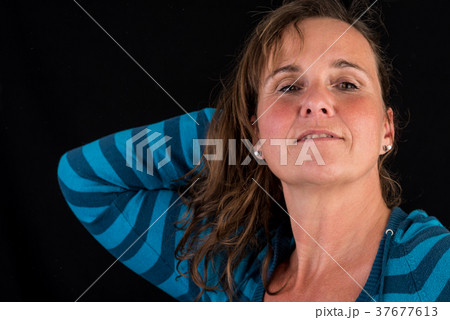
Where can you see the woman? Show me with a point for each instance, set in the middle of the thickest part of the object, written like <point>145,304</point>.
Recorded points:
<point>312,84</point>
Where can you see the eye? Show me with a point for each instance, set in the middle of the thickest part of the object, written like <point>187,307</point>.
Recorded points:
<point>347,86</point>
<point>289,88</point>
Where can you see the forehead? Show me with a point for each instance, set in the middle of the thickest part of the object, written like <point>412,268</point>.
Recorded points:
<point>323,40</point>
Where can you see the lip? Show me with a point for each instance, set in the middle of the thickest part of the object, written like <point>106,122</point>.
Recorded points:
<point>334,135</point>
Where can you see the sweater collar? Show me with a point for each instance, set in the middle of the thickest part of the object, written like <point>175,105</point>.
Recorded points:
<point>379,265</point>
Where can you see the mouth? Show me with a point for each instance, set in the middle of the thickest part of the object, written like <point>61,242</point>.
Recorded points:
<point>318,135</point>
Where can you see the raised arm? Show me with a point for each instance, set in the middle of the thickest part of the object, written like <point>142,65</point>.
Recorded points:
<point>118,189</point>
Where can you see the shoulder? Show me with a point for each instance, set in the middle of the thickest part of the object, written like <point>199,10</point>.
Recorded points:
<point>419,226</point>
<point>422,236</point>
<point>421,253</point>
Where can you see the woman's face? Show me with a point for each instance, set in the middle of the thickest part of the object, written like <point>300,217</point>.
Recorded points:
<point>336,106</point>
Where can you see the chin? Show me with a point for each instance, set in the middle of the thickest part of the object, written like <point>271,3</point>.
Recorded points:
<point>310,173</point>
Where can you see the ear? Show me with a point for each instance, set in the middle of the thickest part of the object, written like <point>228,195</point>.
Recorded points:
<point>388,129</point>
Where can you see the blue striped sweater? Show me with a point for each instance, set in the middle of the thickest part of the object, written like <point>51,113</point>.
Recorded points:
<point>117,202</point>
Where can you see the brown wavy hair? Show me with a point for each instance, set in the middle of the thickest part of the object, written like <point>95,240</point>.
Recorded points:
<point>229,216</point>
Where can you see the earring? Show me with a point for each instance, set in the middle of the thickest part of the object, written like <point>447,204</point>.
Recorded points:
<point>258,154</point>
<point>387,147</point>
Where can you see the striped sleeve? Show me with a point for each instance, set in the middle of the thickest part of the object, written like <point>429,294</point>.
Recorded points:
<point>121,187</point>
<point>419,264</point>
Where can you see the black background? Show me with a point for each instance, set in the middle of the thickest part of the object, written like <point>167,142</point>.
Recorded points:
<point>64,83</point>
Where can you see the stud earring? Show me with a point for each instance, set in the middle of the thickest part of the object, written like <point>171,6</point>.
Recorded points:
<point>387,147</point>
<point>258,154</point>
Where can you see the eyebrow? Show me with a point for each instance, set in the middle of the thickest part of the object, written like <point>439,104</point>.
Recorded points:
<point>341,64</point>
<point>337,64</point>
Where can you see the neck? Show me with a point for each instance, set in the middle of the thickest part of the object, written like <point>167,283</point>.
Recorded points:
<point>346,220</point>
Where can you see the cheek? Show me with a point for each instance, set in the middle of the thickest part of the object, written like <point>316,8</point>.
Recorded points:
<point>276,123</point>
<point>275,120</point>
<point>365,125</point>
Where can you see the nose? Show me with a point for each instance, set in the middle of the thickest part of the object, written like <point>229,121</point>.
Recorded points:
<point>317,102</point>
